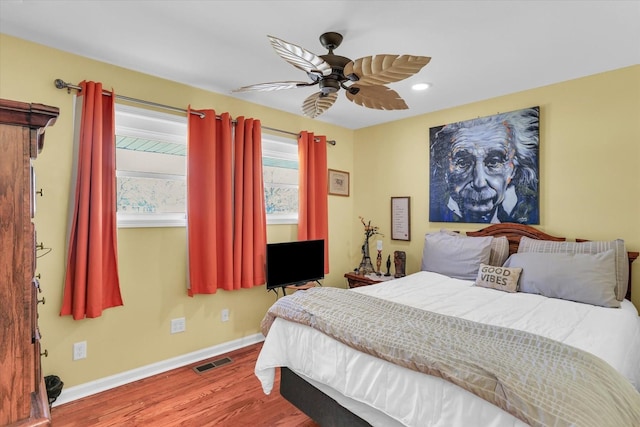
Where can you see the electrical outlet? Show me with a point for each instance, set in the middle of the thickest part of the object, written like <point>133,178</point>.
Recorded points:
<point>225,315</point>
<point>178,325</point>
<point>80,350</point>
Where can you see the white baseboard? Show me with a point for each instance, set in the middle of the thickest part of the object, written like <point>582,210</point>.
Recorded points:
<point>87,389</point>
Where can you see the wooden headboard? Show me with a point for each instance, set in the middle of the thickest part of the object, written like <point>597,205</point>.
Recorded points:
<point>514,232</point>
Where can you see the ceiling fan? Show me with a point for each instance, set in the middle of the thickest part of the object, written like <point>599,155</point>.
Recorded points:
<point>363,79</point>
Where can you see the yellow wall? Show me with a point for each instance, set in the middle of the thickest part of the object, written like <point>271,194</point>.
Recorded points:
<point>152,261</point>
<point>589,163</point>
<point>590,188</point>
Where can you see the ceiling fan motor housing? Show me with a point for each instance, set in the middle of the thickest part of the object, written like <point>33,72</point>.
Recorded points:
<point>332,82</point>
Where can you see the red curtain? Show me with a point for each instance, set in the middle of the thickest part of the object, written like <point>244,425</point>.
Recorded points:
<point>209,202</point>
<point>313,222</point>
<point>91,280</point>
<point>250,225</point>
<point>225,204</point>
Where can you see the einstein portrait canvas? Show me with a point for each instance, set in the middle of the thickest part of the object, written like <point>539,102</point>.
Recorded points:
<point>485,170</point>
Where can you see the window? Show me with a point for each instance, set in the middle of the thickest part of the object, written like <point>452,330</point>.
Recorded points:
<point>151,168</point>
<point>280,171</point>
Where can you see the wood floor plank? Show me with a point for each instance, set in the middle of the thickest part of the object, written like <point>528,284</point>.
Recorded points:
<point>228,395</point>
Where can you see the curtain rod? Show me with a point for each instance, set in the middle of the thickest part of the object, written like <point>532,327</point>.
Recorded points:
<point>61,84</point>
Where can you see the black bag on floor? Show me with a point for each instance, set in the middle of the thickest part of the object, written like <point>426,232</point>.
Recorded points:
<point>54,385</point>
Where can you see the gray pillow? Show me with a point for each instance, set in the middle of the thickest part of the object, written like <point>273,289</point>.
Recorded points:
<point>592,247</point>
<point>499,251</point>
<point>453,256</point>
<point>586,278</point>
<point>499,248</point>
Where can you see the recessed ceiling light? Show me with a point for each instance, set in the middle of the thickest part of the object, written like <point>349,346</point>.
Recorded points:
<point>421,86</point>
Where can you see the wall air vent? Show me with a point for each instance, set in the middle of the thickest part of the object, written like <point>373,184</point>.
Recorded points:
<point>210,365</point>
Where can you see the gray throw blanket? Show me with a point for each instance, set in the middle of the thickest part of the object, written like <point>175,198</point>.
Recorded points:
<point>538,380</point>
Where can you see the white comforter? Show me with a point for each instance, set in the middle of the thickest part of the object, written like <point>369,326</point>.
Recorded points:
<point>409,398</point>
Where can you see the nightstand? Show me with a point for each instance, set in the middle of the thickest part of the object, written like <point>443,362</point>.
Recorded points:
<point>357,280</point>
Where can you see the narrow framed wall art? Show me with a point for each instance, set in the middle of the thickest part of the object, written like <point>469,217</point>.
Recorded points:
<point>400,218</point>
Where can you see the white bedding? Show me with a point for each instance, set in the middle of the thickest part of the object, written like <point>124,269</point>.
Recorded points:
<point>415,399</point>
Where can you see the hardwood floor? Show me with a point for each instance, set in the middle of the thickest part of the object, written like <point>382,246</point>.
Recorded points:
<point>228,395</point>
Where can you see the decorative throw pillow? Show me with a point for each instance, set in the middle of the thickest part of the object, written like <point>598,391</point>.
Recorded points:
<point>583,278</point>
<point>500,278</point>
<point>592,247</point>
<point>453,256</point>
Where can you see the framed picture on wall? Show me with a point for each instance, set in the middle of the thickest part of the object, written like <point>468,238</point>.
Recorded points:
<point>485,170</point>
<point>400,218</point>
<point>338,183</point>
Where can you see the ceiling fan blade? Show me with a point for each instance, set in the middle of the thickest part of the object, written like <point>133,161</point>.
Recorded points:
<point>318,103</point>
<point>377,97</point>
<point>267,87</point>
<point>383,69</point>
<point>300,57</point>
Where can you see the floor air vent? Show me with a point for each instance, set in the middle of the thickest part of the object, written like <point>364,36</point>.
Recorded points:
<point>210,365</point>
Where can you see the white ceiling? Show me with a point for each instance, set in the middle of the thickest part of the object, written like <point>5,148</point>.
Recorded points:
<point>479,49</point>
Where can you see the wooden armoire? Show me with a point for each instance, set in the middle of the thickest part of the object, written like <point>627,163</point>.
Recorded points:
<point>23,397</point>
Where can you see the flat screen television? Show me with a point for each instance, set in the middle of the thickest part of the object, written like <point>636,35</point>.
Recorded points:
<point>294,263</point>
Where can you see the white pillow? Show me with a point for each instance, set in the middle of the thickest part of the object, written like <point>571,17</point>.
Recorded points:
<point>586,278</point>
<point>453,256</point>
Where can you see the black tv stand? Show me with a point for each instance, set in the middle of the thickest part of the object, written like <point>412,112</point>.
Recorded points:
<point>305,284</point>
<point>298,286</point>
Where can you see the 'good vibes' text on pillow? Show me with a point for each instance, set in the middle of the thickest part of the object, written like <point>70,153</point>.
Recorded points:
<point>497,275</point>
<point>500,278</point>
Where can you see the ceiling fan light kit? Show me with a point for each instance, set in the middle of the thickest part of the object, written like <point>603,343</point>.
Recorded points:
<point>363,79</point>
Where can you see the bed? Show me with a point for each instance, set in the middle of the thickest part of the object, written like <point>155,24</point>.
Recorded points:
<point>442,348</point>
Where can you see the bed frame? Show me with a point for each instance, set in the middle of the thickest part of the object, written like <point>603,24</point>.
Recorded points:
<point>326,411</point>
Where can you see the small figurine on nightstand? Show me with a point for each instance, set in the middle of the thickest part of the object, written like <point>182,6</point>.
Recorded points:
<point>378,262</point>
<point>388,266</point>
<point>399,258</point>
